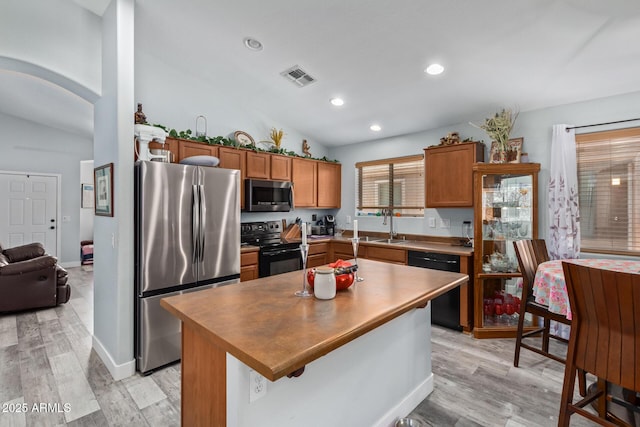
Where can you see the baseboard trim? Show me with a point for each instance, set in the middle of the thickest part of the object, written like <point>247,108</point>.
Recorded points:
<point>70,264</point>
<point>408,404</point>
<point>118,372</point>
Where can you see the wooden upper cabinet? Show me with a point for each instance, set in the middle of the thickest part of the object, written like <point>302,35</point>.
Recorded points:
<point>258,165</point>
<point>231,158</point>
<point>329,185</point>
<point>192,148</point>
<point>449,174</point>
<point>280,168</point>
<point>304,177</point>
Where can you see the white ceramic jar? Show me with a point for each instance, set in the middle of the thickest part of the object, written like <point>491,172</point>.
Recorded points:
<point>324,283</point>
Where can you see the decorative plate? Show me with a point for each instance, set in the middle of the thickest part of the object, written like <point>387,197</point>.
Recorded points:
<point>243,138</point>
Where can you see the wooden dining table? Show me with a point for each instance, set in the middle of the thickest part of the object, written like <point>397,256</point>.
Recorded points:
<point>549,287</point>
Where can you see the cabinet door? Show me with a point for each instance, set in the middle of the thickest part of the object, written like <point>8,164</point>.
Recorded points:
<point>449,174</point>
<point>191,148</point>
<point>280,168</point>
<point>395,256</point>
<point>258,165</point>
<point>248,266</point>
<point>232,158</point>
<point>304,173</point>
<point>344,251</point>
<point>329,185</point>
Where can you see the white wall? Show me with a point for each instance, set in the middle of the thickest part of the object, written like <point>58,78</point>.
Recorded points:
<point>30,147</point>
<point>86,214</point>
<point>534,126</point>
<point>56,35</point>
<point>113,243</point>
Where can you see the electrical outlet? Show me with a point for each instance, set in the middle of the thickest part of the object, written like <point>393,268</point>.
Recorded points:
<point>257,386</point>
<point>445,223</point>
<point>432,222</point>
<point>348,219</point>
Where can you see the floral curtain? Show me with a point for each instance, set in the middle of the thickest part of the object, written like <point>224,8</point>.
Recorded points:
<point>564,215</point>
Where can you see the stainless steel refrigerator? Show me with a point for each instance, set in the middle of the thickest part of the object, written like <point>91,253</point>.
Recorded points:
<point>187,225</point>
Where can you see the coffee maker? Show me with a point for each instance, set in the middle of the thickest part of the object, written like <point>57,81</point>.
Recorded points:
<point>330,225</point>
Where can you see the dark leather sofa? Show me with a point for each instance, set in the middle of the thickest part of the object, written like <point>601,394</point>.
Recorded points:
<point>29,278</point>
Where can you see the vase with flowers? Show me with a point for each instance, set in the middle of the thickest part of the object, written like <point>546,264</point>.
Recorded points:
<point>499,128</point>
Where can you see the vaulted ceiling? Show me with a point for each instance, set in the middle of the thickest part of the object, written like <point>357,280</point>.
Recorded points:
<point>372,53</point>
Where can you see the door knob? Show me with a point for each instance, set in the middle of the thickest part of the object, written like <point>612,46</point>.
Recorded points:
<point>52,227</point>
<point>52,220</point>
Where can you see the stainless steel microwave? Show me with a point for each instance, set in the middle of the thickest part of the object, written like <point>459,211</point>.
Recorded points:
<point>267,196</point>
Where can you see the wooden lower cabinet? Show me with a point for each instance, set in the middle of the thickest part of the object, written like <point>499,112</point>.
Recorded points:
<point>248,266</point>
<point>317,254</point>
<point>344,250</point>
<point>392,255</point>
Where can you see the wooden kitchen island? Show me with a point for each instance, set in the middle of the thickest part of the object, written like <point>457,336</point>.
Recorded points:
<point>375,339</point>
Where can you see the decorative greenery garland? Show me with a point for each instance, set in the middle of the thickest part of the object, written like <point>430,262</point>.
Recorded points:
<point>229,142</point>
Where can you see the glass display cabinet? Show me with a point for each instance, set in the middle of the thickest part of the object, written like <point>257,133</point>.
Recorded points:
<point>506,210</point>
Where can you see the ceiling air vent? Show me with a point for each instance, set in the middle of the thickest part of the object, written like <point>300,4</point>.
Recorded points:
<point>298,76</point>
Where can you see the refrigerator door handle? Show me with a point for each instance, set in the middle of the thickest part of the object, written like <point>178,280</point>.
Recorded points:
<point>195,225</point>
<point>202,220</point>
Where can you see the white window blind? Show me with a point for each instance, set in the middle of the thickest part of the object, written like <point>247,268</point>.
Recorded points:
<point>396,183</point>
<point>609,191</point>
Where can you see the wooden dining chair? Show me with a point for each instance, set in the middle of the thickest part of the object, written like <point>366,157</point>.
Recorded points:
<point>530,254</point>
<point>604,339</point>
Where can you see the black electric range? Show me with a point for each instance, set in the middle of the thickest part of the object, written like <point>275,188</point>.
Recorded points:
<point>275,256</point>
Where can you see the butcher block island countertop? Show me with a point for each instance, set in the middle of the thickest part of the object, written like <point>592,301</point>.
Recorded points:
<point>269,329</point>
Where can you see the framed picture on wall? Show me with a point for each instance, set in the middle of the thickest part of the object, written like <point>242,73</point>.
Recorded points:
<point>515,150</point>
<point>86,200</point>
<point>103,179</point>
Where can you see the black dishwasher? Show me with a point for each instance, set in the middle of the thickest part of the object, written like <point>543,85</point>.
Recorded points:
<point>445,310</point>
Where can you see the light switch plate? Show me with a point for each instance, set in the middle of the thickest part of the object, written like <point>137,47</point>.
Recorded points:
<point>432,222</point>
<point>445,223</point>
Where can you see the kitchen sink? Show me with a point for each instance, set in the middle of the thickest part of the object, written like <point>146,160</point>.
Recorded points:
<point>395,241</point>
<point>382,240</point>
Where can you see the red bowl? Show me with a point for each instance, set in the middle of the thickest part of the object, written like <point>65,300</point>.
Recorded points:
<point>343,281</point>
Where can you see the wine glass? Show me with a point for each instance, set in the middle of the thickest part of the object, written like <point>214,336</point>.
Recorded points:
<point>304,251</point>
<point>354,243</point>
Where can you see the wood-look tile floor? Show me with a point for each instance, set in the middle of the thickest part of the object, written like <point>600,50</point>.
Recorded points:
<point>48,368</point>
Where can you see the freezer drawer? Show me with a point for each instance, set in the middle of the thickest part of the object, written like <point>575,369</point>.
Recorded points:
<point>158,332</point>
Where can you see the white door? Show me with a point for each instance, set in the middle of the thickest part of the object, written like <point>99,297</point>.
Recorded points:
<point>30,213</point>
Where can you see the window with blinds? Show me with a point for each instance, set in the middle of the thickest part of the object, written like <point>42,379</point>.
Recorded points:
<point>396,184</point>
<point>609,191</point>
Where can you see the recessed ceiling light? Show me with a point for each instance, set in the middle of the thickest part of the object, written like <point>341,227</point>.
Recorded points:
<point>434,69</point>
<point>337,101</point>
<point>252,44</point>
<point>375,128</point>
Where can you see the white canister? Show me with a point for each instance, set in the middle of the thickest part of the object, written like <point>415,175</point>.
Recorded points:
<point>324,283</point>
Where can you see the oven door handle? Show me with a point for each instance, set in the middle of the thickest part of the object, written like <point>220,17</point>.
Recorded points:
<point>280,252</point>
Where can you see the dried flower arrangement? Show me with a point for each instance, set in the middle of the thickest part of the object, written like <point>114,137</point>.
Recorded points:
<point>499,127</point>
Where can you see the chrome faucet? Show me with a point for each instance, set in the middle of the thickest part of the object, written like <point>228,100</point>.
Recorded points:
<point>388,212</point>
